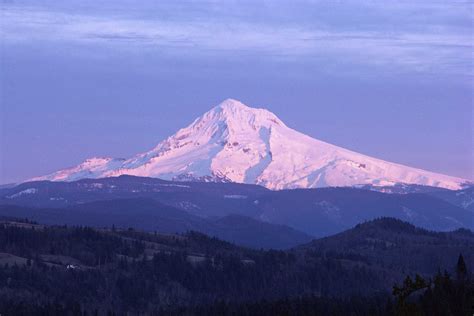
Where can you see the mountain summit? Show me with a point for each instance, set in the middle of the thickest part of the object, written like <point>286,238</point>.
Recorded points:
<point>234,142</point>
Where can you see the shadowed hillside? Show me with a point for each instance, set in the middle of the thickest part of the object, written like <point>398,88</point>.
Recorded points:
<point>104,270</point>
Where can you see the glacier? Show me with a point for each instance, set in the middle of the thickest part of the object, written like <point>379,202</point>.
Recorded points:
<point>236,143</point>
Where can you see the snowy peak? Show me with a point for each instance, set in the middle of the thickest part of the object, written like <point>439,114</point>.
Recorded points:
<point>235,111</point>
<point>233,105</point>
<point>234,142</point>
<point>237,118</point>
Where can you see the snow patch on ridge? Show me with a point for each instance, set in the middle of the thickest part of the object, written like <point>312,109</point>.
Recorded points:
<point>24,192</point>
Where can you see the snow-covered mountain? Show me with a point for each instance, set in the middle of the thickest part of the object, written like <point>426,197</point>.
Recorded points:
<point>234,142</point>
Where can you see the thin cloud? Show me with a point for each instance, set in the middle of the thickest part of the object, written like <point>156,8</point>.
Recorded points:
<point>443,48</point>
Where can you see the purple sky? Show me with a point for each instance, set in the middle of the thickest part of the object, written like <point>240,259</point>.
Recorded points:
<point>388,79</point>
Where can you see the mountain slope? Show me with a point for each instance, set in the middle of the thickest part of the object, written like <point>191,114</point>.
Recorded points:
<point>397,245</point>
<point>233,142</point>
<point>317,212</point>
<point>462,198</point>
<point>326,211</point>
<point>151,215</point>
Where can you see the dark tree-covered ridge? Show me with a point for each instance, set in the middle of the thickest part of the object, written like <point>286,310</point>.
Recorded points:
<point>77,269</point>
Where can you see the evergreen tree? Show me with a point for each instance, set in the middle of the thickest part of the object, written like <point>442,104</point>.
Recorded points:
<point>461,269</point>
